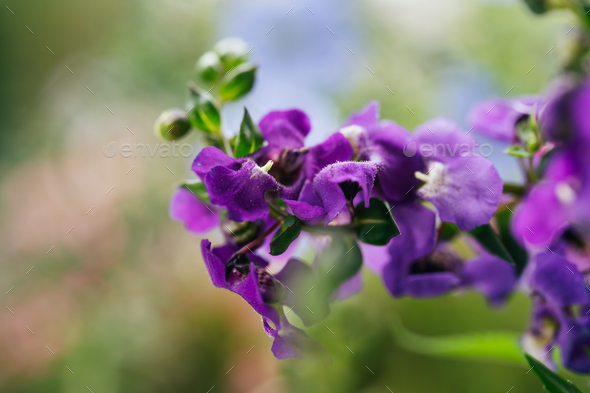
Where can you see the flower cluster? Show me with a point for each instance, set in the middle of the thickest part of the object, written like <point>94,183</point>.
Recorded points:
<point>552,219</point>
<point>427,224</point>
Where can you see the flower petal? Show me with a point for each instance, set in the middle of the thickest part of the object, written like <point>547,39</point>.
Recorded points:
<point>497,118</point>
<point>366,117</point>
<point>292,342</point>
<point>326,184</point>
<point>242,191</point>
<point>490,275</point>
<point>431,284</point>
<point>285,128</point>
<point>417,239</point>
<point>540,229</point>
<point>465,191</point>
<point>559,281</point>
<point>210,157</point>
<point>197,216</point>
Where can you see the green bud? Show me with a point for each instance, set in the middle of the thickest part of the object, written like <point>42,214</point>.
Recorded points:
<point>232,51</point>
<point>238,82</point>
<point>172,124</point>
<point>202,113</point>
<point>538,6</point>
<point>209,67</point>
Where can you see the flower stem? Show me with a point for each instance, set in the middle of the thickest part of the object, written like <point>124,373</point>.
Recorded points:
<point>258,240</point>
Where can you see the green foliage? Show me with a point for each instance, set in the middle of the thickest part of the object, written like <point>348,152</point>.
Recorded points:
<point>552,382</point>
<point>238,82</point>
<point>203,113</point>
<point>490,346</point>
<point>518,254</point>
<point>488,238</point>
<point>286,234</point>
<point>375,224</point>
<point>198,189</point>
<point>249,138</point>
<point>517,151</point>
<point>338,263</point>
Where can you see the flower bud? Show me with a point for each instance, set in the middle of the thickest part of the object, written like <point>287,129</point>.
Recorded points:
<point>238,82</point>
<point>232,51</point>
<point>172,124</point>
<point>203,114</point>
<point>209,67</point>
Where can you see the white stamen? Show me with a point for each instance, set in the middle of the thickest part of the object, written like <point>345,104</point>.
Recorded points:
<point>564,193</point>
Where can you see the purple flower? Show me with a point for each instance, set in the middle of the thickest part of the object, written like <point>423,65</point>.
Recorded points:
<point>558,286</point>
<point>416,266</point>
<point>239,185</point>
<point>465,188</point>
<point>565,118</point>
<point>198,217</point>
<point>562,196</point>
<point>247,276</point>
<point>497,118</point>
<point>383,143</point>
<point>339,183</point>
<point>293,163</point>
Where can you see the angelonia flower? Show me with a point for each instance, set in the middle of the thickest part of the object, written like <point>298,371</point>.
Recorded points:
<point>551,217</point>
<point>425,210</point>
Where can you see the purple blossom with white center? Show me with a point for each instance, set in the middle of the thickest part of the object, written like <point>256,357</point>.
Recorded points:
<point>465,189</point>
<point>415,265</point>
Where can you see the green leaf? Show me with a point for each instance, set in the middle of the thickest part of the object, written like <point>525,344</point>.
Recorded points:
<point>537,6</point>
<point>238,82</point>
<point>203,114</point>
<point>198,189</point>
<point>338,263</point>
<point>286,234</point>
<point>517,151</point>
<point>232,51</point>
<point>519,254</point>
<point>375,224</point>
<point>491,346</point>
<point>448,230</point>
<point>249,138</point>
<point>492,242</point>
<point>552,382</point>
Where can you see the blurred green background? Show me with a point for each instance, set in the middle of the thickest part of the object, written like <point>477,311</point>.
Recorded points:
<point>122,302</point>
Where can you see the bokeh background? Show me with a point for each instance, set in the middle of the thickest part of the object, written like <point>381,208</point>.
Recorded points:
<point>121,302</point>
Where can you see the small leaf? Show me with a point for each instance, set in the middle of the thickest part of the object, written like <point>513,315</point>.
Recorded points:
<point>249,138</point>
<point>517,151</point>
<point>488,238</point>
<point>519,254</point>
<point>491,346</point>
<point>203,114</point>
<point>448,230</point>
<point>238,82</point>
<point>198,190</point>
<point>283,238</point>
<point>375,224</point>
<point>338,263</point>
<point>552,382</point>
